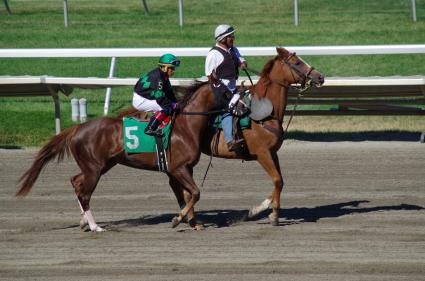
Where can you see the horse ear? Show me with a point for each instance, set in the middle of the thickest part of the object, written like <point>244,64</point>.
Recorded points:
<point>282,52</point>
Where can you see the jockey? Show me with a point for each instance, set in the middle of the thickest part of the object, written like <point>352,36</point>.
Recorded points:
<point>153,92</point>
<point>221,68</point>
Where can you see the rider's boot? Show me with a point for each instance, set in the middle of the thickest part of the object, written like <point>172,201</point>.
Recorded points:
<point>235,145</point>
<point>156,120</point>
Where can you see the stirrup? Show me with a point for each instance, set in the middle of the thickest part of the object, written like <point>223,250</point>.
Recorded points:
<point>235,145</point>
<point>154,133</point>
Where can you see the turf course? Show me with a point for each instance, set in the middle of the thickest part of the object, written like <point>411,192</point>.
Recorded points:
<point>107,24</point>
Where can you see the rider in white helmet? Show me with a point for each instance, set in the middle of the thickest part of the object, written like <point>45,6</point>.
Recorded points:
<point>221,68</point>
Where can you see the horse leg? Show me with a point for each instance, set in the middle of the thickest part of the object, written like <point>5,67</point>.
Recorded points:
<point>270,163</point>
<point>84,185</point>
<point>76,181</point>
<point>192,195</point>
<point>182,196</point>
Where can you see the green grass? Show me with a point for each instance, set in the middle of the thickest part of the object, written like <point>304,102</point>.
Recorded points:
<point>111,24</point>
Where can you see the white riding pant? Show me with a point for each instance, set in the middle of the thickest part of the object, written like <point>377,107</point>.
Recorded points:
<point>142,104</point>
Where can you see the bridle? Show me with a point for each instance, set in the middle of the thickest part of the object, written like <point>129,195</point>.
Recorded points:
<point>306,82</point>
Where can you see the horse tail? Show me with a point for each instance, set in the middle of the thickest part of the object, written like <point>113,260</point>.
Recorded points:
<point>56,147</point>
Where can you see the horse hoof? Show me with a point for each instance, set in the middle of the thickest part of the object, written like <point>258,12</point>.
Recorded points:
<point>83,222</point>
<point>98,229</point>
<point>175,222</point>
<point>274,220</point>
<point>199,226</point>
<point>250,215</point>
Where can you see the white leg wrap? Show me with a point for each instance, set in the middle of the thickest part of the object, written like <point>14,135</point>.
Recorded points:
<point>83,219</point>
<point>92,223</point>
<point>81,207</point>
<point>262,207</point>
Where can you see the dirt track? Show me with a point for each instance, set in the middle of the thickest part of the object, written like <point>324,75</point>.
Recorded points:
<point>350,211</point>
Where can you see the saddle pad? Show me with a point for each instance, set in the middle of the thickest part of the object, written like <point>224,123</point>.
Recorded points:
<point>135,139</point>
<point>244,122</point>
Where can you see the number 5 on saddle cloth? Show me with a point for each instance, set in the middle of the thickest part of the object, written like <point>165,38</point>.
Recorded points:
<point>136,141</point>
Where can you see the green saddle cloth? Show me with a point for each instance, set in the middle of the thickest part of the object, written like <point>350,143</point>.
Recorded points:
<point>244,122</point>
<point>135,139</point>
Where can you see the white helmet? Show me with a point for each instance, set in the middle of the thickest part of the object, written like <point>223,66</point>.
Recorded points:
<point>222,31</point>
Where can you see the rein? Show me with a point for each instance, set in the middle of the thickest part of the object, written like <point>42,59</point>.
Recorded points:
<point>207,113</point>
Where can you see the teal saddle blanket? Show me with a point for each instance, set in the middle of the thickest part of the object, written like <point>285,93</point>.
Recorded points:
<point>135,139</point>
<point>244,122</point>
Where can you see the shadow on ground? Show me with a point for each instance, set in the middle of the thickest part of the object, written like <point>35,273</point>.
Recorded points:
<point>290,216</point>
<point>355,136</point>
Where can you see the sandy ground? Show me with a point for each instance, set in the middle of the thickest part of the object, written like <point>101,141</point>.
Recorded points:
<point>350,211</point>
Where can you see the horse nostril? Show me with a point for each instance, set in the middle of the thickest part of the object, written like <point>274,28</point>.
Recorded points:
<point>321,79</point>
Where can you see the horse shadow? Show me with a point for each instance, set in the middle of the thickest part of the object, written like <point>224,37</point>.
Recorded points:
<point>391,135</point>
<point>288,216</point>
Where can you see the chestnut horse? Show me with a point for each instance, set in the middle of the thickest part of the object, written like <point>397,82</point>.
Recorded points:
<point>98,145</point>
<point>265,138</point>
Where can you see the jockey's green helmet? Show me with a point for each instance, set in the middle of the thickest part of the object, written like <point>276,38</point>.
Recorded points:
<point>169,60</point>
<point>222,31</point>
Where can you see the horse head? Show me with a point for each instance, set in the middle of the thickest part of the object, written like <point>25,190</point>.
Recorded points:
<point>292,69</point>
<point>282,72</point>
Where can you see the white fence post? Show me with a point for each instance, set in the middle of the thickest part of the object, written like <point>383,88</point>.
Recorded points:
<point>109,90</point>
<point>296,12</point>
<point>74,110</point>
<point>65,12</point>
<point>181,12</point>
<point>414,10</point>
<point>83,110</point>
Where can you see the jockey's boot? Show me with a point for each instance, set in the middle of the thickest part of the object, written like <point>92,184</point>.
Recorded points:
<point>235,145</point>
<point>156,120</point>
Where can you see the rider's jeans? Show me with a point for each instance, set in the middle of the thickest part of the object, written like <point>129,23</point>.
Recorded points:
<point>226,122</point>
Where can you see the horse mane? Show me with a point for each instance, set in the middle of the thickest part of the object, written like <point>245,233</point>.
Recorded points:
<point>260,87</point>
<point>268,68</point>
<point>190,92</point>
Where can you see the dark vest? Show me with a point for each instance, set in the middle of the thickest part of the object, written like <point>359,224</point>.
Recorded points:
<point>228,69</point>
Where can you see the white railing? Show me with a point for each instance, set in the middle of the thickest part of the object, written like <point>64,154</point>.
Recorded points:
<point>202,51</point>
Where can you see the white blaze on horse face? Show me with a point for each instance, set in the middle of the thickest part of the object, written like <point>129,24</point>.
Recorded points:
<point>304,62</point>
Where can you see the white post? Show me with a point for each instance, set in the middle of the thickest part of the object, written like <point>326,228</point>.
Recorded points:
<point>109,90</point>
<point>54,93</point>
<point>74,110</point>
<point>181,12</point>
<point>57,113</point>
<point>83,110</point>
<point>65,12</point>
<point>414,10</point>
<point>296,12</point>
